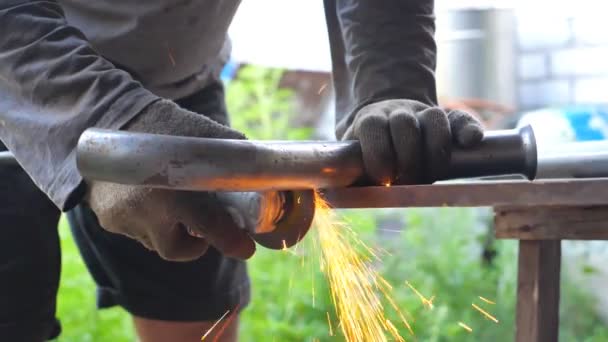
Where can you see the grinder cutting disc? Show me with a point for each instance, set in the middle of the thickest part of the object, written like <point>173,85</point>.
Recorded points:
<point>299,210</point>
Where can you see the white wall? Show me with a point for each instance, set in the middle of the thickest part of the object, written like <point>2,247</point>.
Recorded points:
<point>563,53</point>
<point>289,34</point>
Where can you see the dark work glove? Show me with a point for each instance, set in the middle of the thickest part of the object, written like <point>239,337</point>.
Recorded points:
<point>178,225</point>
<point>408,142</point>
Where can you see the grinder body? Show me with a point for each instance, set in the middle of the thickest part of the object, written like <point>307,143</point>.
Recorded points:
<point>274,219</point>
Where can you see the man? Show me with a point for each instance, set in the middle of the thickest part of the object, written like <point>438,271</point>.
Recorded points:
<point>174,259</point>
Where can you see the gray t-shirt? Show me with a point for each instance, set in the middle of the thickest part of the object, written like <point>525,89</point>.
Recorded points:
<point>69,65</point>
<point>174,47</point>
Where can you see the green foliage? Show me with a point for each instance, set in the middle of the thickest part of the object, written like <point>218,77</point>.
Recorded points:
<point>439,253</point>
<point>260,108</point>
<point>283,308</point>
<point>80,320</point>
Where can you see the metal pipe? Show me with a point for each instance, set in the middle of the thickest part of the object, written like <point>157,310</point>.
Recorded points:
<point>215,164</point>
<point>243,165</point>
<point>573,148</point>
<point>577,165</point>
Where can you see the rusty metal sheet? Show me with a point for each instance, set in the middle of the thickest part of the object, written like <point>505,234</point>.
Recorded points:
<point>571,192</point>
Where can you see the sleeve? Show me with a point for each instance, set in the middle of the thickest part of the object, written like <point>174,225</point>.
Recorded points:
<point>380,49</point>
<point>53,85</point>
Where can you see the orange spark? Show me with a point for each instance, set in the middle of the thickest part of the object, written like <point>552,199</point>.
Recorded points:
<point>405,322</point>
<point>170,54</point>
<point>367,248</point>
<point>214,325</point>
<point>295,250</point>
<point>225,325</point>
<point>394,330</point>
<point>465,327</point>
<point>356,288</point>
<point>486,300</point>
<point>331,330</point>
<point>329,170</point>
<point>286,249</point>
<point>423,299</point>
<point>389,230</point>
<point>290,285</point>
<point>313,291</point>
<point>384,251</point>
<point>484,313</point>
<point>383,281</point>
<point>322,88</point>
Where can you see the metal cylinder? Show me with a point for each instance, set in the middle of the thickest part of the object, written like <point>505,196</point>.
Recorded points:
<point>500,153</point>
<point>579,165</point>
<point>581,159</point>
<point>216,164</point>
<point>243,165</point>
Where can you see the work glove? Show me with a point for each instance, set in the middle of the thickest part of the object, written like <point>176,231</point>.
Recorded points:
<point>178,225</point>
<point>408,142</point>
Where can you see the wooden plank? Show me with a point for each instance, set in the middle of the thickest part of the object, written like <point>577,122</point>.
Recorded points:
<point>538,290</point>
<point>552,223</point>
<point>573,192</point>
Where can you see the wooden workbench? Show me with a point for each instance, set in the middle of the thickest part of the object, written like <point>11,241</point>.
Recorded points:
<point>539,214</point>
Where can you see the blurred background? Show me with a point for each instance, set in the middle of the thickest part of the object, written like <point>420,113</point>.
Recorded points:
<point>511,63</point>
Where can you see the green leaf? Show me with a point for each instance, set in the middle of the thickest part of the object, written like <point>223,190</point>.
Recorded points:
<point>589,269</point>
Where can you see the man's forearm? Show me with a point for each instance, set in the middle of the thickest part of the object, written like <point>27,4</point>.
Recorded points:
<point>53,86</point>
<point>389,52</point>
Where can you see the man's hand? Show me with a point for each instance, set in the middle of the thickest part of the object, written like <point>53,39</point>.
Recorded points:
<point>408,142</point>
<point>178,225</point>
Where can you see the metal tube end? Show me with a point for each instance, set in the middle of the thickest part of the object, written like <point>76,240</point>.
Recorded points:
<point>530,151</point>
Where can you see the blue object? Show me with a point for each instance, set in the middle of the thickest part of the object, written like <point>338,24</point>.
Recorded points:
<point>229,71</point>
<point>567,124</point>
<point>587,122</point>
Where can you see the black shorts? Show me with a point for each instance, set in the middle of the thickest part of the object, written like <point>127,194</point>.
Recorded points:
<point>126,273</point>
